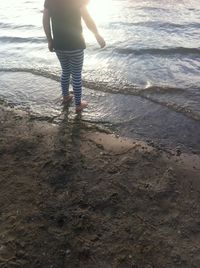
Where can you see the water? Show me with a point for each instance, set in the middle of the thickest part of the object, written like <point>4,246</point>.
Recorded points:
<point>153,52</point>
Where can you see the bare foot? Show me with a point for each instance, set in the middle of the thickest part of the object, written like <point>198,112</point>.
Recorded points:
<point>82,106</point>
<point>67,99</point>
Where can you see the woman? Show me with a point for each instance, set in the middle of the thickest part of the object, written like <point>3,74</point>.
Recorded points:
<point>64,35</point>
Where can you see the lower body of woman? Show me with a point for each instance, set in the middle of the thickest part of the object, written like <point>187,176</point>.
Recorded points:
<point>72,64</point>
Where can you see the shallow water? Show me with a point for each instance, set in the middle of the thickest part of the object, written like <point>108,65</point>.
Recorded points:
<point>133,116</point>
<point>152,55</point>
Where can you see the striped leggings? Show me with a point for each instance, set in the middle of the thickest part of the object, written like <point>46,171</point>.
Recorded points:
<point>71,63</point>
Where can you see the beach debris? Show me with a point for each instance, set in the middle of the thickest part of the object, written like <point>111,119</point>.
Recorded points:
<point>68,253</point>
<point>178,152</point>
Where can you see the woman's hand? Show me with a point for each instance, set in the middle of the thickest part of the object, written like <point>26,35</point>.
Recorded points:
<point>100,40</point>
<point>50,45</point>
<point>92,26</point>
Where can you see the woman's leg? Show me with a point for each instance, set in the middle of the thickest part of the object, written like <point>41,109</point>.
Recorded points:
<point>76,62</point>
<point>66,71</point>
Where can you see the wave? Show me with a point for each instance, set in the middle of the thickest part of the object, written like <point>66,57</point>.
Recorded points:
<point>125,90</point>
<point>15,39</point>
<point>157,24</point>
<point>159,51</point>
<point>14,26</point>
<point>148,8</point>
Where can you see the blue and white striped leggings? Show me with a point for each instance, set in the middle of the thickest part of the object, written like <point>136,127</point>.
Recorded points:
<point>72,64</point>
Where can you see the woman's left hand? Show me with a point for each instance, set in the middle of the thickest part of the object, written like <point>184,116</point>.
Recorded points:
<point>100,40</point>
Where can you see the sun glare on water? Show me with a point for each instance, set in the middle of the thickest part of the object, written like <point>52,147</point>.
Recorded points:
<point>100,10</point>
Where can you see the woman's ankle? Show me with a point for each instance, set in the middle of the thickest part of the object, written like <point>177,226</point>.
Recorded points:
<point>81,106</point>
<point>67,98</point>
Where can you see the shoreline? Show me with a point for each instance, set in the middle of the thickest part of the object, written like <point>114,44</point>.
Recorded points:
<point>72,196</point>
<point>133,116</point>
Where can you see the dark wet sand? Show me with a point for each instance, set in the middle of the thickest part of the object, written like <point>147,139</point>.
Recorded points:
<point>72,196</point>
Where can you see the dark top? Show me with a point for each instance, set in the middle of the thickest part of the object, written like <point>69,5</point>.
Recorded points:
<point>66,24</point>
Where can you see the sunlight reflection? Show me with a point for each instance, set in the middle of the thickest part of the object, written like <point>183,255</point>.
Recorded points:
<point>100,9</point>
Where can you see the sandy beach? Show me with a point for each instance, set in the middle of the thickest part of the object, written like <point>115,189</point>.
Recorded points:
<point>119,185</point>
<point>74,196</point>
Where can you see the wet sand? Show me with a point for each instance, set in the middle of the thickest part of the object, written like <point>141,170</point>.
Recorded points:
<point>74,196</point>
